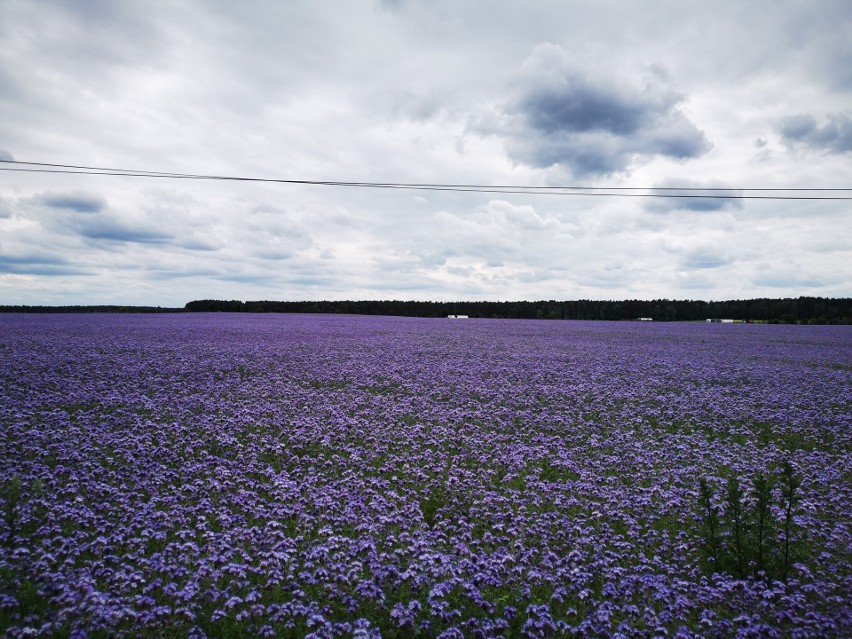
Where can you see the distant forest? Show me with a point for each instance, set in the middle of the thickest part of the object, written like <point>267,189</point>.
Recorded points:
<point>802,310</point>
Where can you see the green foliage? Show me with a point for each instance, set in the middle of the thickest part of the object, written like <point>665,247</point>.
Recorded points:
<point>430,504</point>
<point>12,497</point>
<point>791,547</point>
<point>736,525</point>
<point>710,523</point>
<point>747,540</point>
<point>761,521</point>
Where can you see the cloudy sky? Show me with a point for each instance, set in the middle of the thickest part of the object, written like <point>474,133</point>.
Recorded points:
<point>612,93</point>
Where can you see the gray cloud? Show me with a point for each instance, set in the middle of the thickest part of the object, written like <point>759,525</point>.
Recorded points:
<point>247,278</point>
<point>115,231</point>
<point>592,122</point>
<point>199,245</point>
<point>37,264</point>
<point>6,208</point>
<point>690,202</point>
<point>5,155</point>
<point>275,255</point>
<point>578,104</point>
<point>704,259</point>
<point>172,274</point>
<point>834,136</point>
<point>392,5</point>
<point>79,201</point>
<point>96,223</point>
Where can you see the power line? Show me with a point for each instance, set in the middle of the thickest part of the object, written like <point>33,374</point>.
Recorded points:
<point>719,193</point>
<point>401,184</point>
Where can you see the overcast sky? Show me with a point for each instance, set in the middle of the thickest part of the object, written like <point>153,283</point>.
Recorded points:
<point>725,94</point>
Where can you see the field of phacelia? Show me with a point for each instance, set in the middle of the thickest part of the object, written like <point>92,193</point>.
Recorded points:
<point>335,476</point>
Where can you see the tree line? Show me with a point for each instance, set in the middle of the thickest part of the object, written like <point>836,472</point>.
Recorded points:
<point>802,310</point>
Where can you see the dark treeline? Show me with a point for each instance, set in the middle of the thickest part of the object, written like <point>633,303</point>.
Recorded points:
<point>802,310</point>
<point>108,308</point>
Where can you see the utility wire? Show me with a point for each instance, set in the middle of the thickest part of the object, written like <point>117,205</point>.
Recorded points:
<point>720,193</point>
<point>495,186</point>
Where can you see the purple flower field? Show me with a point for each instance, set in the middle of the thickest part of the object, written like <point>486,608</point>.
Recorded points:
<point>341,476</point>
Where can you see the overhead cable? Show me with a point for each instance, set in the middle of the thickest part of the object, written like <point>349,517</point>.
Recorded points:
<point>721,193</point>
